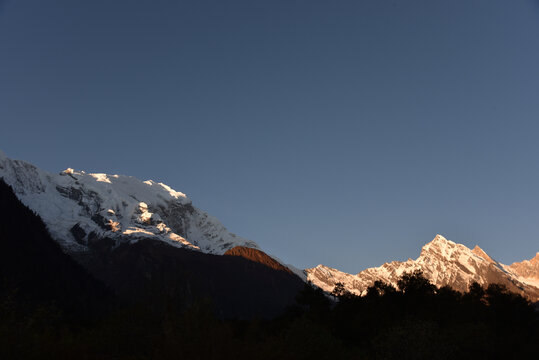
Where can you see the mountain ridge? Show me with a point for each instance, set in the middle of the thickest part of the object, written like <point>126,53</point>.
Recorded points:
<point>443,262</point>
<point>97,213</point>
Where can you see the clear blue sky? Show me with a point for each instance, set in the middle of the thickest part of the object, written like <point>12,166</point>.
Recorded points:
<point>346,133</point>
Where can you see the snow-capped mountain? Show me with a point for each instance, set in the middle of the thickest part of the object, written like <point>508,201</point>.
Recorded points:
<point>87,212</point>
<point>80,209</point>
<point>443,262</point>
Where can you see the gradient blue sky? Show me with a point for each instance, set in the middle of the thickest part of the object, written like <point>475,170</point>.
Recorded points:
<point>346,133</point>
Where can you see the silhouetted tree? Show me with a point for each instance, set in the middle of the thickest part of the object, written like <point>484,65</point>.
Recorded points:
<point>475,291</point>
<point>339,291</point>
<point>380,288</point>
<point>415,283</point>
<point>314,301</point>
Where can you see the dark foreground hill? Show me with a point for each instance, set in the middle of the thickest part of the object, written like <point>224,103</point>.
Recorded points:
<point>151,271</point>
<point>34,272</point>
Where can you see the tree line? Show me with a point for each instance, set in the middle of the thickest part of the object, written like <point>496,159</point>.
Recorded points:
<point>414,320</point>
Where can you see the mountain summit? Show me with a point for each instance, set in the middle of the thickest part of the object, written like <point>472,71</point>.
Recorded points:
<point>443,262</point>
<point>81,209</point>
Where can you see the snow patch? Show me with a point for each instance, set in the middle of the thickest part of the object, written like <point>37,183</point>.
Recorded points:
<point>101,177</point>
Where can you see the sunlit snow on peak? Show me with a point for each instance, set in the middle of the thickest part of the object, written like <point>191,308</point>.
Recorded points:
<point>75,204</point>
<point>443,262</point>
<point>101,178</point>
<point>171,191</point>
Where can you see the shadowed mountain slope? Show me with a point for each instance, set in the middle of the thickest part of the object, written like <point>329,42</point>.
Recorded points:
<point>35,271</point>
<point>155,272</point>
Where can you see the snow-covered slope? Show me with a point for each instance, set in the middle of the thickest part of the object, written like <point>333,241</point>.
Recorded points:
<point>442,261</point>
<point>80,208</point>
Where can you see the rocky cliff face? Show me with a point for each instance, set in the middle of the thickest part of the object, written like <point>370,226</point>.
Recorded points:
<point>82,209</point>
<point>443,262</point>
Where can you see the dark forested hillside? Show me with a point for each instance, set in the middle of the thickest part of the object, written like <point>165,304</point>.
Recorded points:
<point>35,272</point>
<point>416,320</point>
<point>154,272</point>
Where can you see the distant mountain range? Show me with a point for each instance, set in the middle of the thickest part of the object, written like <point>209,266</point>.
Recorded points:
<point>443,262</point>
<point>135,235</point>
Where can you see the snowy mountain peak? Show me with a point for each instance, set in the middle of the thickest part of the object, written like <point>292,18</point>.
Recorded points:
<point>440,246</point>
<point>81,208</point>
<point>443,262</point>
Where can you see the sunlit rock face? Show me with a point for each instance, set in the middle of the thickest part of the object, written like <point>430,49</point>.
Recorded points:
<point>257,256</point>
<point>443,262</point>
<point>81,209</point>
<point>527,270</point>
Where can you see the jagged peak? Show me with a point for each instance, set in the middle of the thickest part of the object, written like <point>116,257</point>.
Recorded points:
<point>321,266</point>
<point>325,268</point>
<point>438,241</point>
<point>477,250</point>
<point>443,248</point>
<point>439,237</point>
<point>481,253</point>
